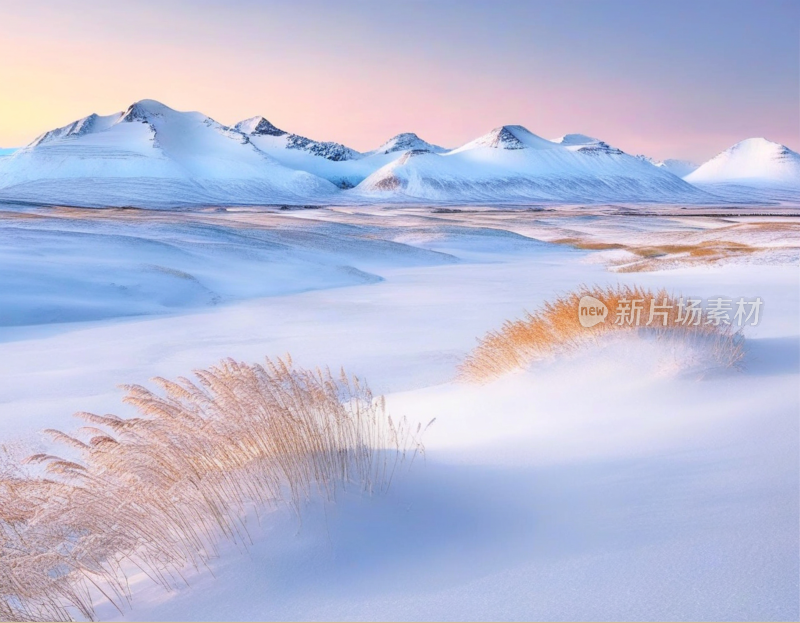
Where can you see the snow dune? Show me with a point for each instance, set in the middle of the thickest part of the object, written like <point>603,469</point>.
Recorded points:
<point>63,269</point>
<point>601,486</point>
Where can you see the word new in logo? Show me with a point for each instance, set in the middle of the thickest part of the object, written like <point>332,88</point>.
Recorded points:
<point>591,311</point>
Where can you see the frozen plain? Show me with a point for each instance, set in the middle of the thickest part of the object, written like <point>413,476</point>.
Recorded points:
<point>602,486</point>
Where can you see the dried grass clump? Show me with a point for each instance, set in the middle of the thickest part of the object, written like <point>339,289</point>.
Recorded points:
<point>556,329</point>
<point>156,492</point>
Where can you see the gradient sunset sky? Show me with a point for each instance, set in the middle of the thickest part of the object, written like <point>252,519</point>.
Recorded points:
<point>667,79</point>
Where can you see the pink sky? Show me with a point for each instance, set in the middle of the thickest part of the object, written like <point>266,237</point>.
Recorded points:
<point>685,82</point>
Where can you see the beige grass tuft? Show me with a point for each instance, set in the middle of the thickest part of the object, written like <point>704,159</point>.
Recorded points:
<point>156,492</point>
<point>555,328</point>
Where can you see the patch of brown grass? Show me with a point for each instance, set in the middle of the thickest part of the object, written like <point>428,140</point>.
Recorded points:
<point>156,492</point>
<point>701,249</point>
<point>588,245</point>
<point>556,328</point>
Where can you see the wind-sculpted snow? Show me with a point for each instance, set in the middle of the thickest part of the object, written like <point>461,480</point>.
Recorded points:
<point>153,156</point>
<point>64,269</point>
<point>623,481</point>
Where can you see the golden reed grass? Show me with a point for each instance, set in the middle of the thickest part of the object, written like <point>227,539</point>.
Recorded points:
<point>556,328</point>
<point>155,493</point>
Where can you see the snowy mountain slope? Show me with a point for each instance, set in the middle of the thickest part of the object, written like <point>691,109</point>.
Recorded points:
<point>681,168</point>
<point>753,170</point>
<point>406,142</point>
<point>752,162</point>
<point>585,144</point>
<point>334,162</point>
<point>512,164</point>
<point>151,154</point>
<point>260,128</point>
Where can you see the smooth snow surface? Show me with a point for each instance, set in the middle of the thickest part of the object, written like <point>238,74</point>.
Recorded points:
<point>607,485</point>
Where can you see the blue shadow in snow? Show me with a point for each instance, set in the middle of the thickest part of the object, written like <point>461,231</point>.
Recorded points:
<point>772,356</point>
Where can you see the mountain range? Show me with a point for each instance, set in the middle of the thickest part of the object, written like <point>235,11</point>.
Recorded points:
<point>152,156</point>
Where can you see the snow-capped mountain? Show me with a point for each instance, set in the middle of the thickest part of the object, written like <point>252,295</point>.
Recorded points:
<point>511,164</point>
<point>405,142</point>
<point>585,144</point>
<point>752,162</point>
<point>331,161</point>
<point>267,136</point>
<point>681,168</point>
<point>752,170</point>
<point>334,162</point>
<point>151,154</point>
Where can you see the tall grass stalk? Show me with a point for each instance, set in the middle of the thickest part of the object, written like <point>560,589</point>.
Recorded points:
<point>156,492</point>
<point>555,328</point>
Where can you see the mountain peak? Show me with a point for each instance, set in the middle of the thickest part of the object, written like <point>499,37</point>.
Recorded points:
<point>586,144</point>
<point>757,144</point>
<point>86,125</point>
<point>143,110</point>
<point>681,168</point>
<point>509,137</point>
<point>258,126</point>
<point>407,141</point>
<point>267,137</point>
<point>506,137</point>
<point>756,160</point>
<point>576,139</point>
